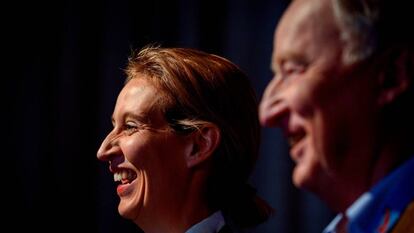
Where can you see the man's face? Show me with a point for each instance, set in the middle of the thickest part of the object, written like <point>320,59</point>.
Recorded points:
<point>324,107</point>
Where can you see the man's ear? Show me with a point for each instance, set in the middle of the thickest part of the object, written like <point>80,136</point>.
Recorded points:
<point>205,141</point>
<point>395,79</point>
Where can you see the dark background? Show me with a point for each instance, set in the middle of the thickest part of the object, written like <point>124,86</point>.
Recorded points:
<point>62,71</point>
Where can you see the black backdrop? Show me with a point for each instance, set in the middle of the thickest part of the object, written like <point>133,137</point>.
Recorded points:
<point>61,75</point>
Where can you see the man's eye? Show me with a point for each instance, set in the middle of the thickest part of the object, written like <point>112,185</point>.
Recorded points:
<point>290,68</point>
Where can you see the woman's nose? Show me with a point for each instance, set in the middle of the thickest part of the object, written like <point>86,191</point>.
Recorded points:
<point>108,147</point>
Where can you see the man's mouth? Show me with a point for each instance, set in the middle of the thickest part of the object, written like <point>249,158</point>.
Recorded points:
<point>125,176</point>
<point>295,138</point>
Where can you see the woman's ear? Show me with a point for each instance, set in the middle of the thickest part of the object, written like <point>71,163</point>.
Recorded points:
<point>205,141</point>
<point>395,78</point>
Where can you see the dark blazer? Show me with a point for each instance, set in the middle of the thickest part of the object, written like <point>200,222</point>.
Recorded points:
<point>225,229</point>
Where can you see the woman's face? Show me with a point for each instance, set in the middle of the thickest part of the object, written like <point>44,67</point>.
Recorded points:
<point>145,156</point>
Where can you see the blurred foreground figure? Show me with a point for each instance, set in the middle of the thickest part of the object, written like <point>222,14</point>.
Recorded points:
<point>342,93</point>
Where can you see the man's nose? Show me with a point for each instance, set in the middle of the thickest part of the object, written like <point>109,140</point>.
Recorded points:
<point>273,108</point>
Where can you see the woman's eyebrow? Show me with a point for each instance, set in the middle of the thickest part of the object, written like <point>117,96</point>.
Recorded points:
<point>142,117</point>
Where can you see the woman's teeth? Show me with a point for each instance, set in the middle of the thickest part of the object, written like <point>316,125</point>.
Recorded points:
<point>125,176</point>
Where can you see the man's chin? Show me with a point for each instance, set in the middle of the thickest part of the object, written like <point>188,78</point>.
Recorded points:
<point>301,179</point>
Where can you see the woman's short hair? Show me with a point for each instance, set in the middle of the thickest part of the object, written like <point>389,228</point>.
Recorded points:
<point>199,88</point>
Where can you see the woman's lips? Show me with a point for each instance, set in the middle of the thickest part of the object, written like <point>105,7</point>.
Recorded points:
<point>120,189</point>
<point>124,178</point>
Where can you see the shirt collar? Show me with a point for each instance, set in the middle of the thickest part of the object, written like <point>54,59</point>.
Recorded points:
<point>211,224</point>
<point>387,199</point>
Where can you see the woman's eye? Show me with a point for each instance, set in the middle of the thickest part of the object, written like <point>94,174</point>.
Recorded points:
<point>130,128</point>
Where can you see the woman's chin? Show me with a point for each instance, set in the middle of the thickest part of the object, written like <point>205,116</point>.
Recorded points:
<point>129,210</point>
<point>130,205</point>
